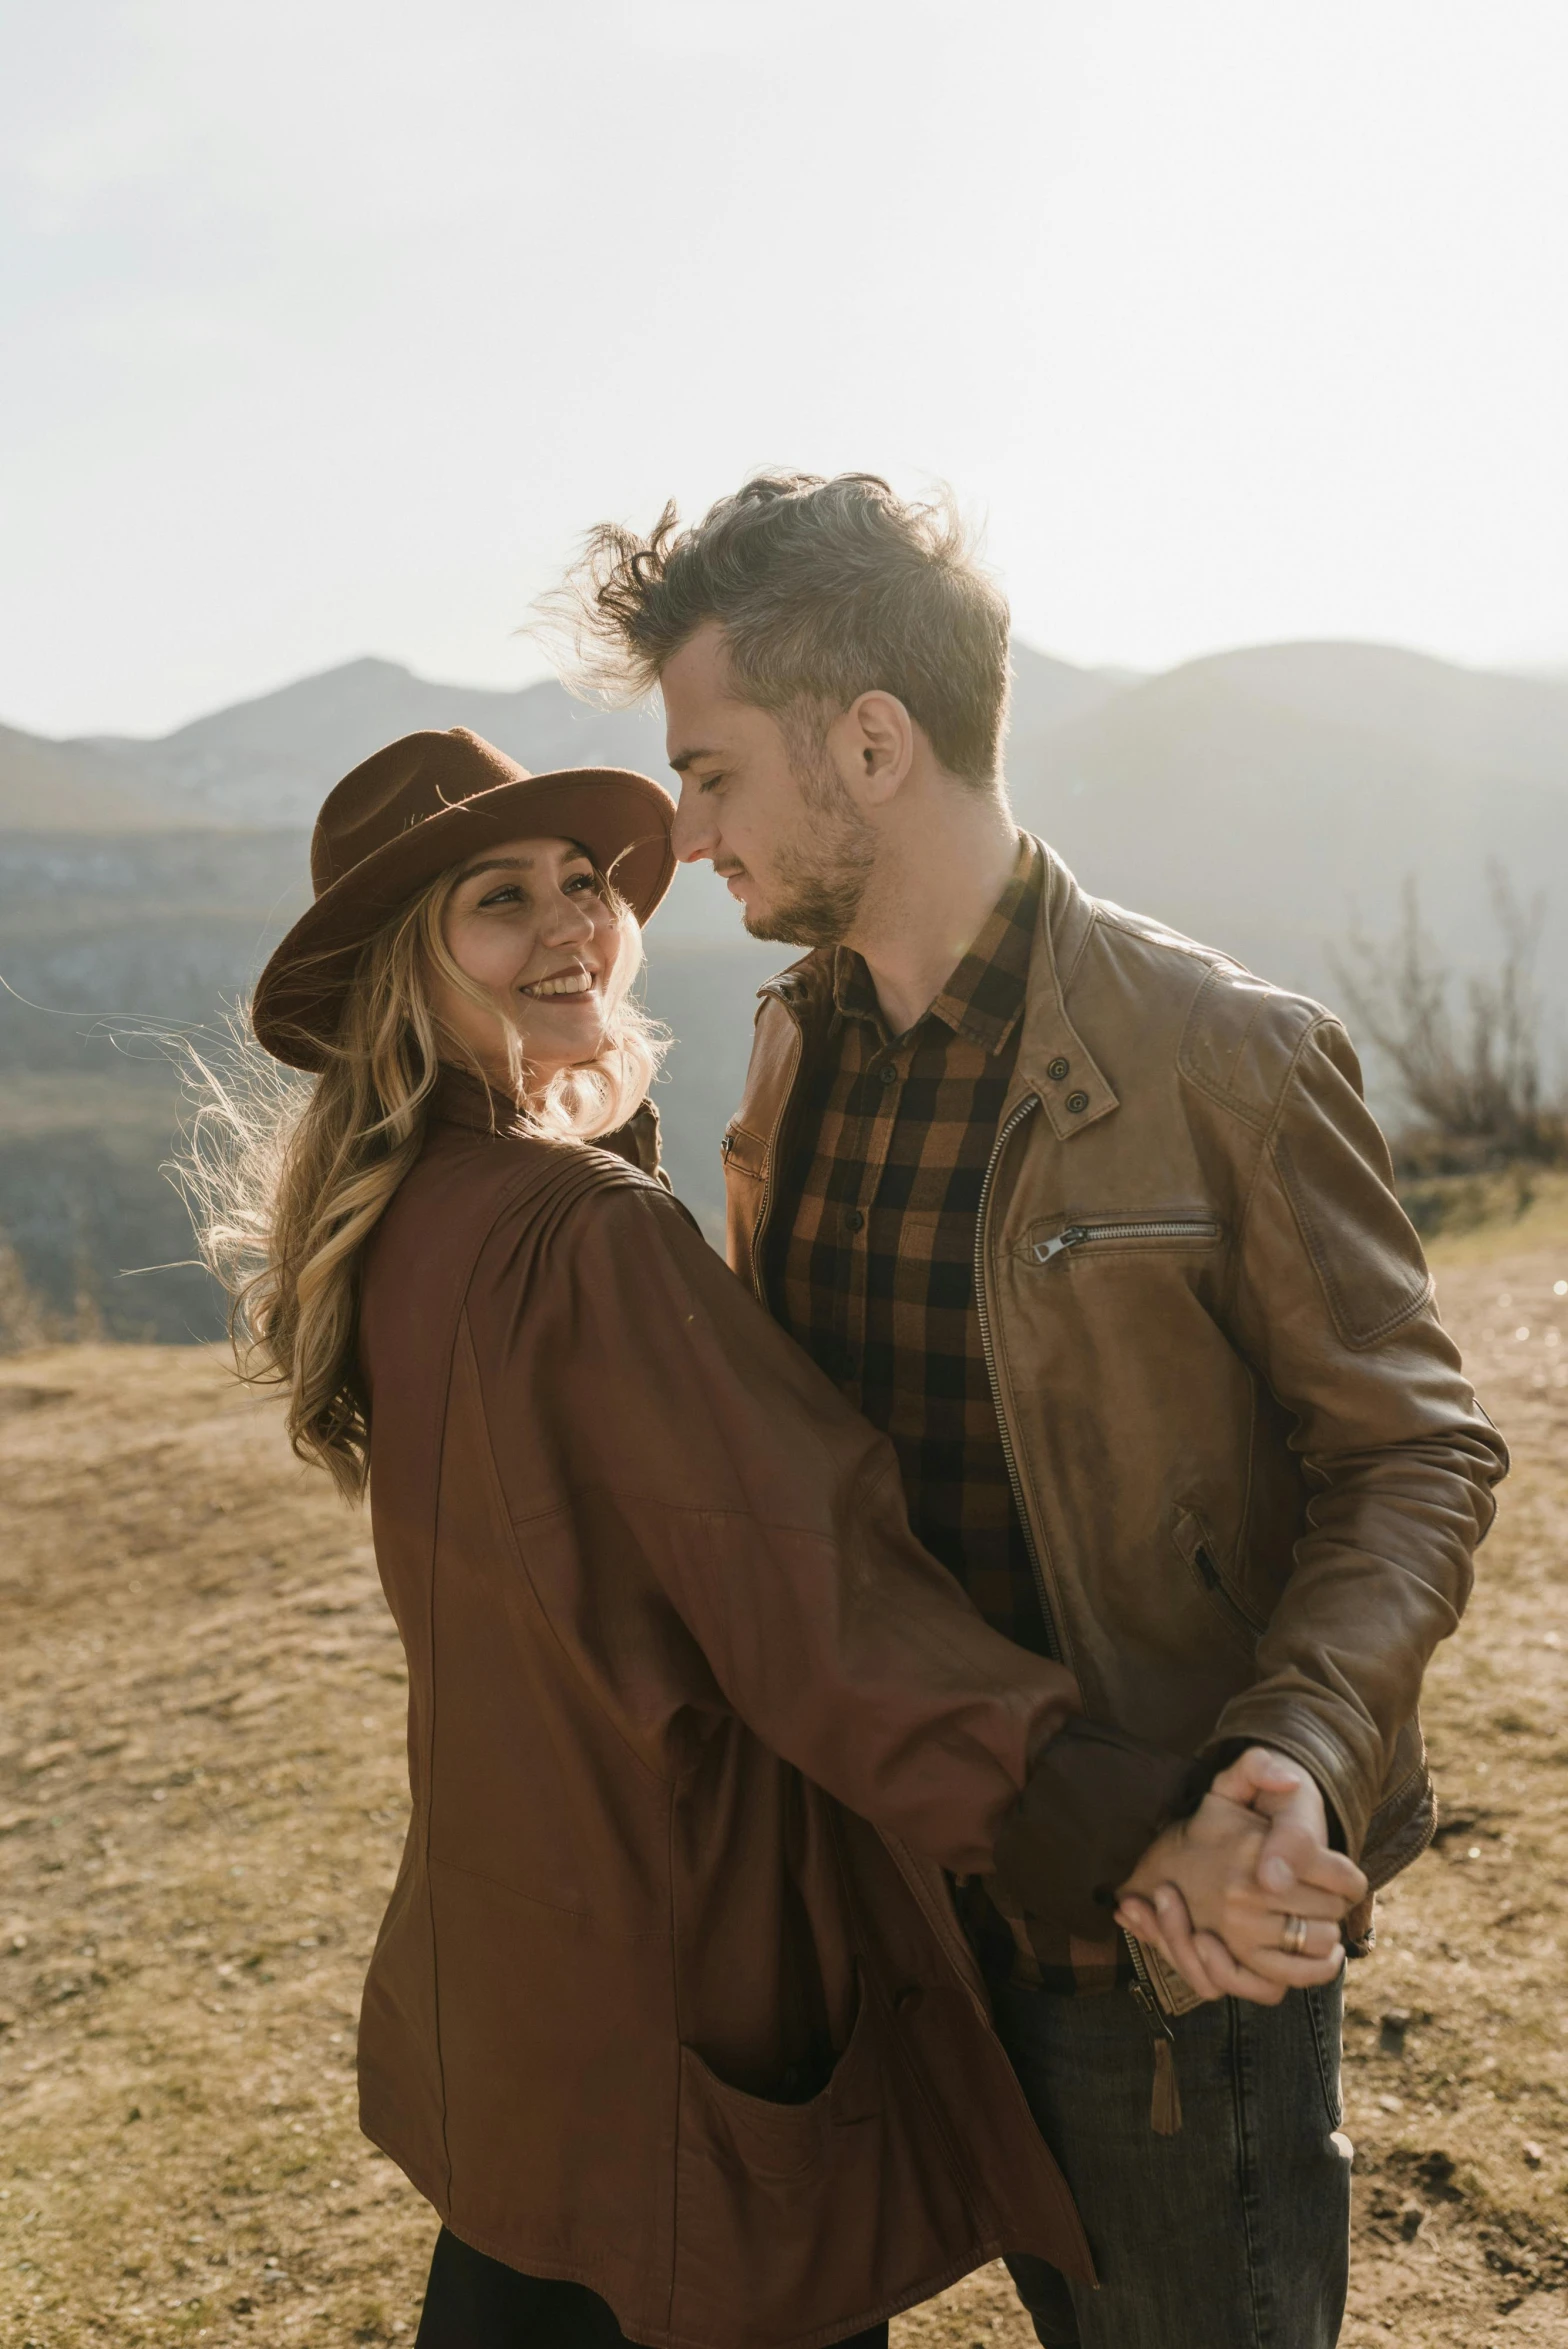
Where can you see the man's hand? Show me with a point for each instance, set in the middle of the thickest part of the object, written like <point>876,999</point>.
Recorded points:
<point>1289,1798</point>
<point>1196,1894</point>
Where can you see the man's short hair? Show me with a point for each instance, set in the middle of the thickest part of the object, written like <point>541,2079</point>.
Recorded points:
<point>825,589</point>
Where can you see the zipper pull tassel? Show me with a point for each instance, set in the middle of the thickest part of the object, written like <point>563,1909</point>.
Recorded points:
<point>1165,2103</point>
<point>1044,1250</point>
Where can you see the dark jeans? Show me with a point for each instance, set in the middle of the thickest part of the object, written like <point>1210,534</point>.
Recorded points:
<point>1232,2234</point>
<point>473,2302</point>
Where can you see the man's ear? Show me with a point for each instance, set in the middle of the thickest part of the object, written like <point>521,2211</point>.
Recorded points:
<point>872,747</point>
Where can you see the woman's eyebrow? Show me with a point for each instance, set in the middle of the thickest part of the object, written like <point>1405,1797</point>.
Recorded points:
<point>516,864</point>
<point>495,864</point>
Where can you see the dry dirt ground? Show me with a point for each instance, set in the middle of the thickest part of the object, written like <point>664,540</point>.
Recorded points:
<point>201,1805</point>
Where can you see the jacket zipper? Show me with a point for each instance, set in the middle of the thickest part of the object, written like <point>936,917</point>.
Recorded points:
<point>1165,2111</point>
<point>1187,1227</point>
<point>1052,1640</point>
<point>1147,1994</point>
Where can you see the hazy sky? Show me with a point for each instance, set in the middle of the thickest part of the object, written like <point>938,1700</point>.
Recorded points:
<point>327,326</point>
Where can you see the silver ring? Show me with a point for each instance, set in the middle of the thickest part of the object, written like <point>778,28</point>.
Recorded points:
<point>1294,1942</point>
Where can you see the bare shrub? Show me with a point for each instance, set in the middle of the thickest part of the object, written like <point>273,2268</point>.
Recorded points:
<point>1472,1057</point>
<point>24,1320</point>
<point>27,1319</point>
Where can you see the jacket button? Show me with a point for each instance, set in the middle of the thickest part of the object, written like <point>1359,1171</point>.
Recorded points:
<point>854,1219</point>
<point>1057,1070</point>
<point>888,1073</point>
<point>1077,1102</point>
<point>908,2002</point>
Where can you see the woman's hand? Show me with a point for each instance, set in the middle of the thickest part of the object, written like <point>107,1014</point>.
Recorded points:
<point>1196,1895</point>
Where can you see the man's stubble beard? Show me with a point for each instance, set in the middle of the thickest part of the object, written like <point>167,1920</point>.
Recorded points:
<point>821,875</point>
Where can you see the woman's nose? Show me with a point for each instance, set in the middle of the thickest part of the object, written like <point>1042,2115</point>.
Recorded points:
<point>570,921</point>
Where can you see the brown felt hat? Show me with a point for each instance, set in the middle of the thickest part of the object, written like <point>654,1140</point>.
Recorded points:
<point>409,813</point>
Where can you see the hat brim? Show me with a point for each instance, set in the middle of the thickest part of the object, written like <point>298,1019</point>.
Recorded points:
<point>622,819</point>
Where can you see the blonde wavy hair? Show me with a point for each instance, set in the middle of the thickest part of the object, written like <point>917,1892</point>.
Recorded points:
<point>287,1177</point>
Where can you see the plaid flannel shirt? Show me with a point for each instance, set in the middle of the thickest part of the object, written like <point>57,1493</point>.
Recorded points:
<point>870,1267</point>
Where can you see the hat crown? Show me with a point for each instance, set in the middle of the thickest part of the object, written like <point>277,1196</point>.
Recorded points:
<point>417,776</point>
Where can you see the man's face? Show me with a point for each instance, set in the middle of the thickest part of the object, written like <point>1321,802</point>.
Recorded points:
<point>770,813</point>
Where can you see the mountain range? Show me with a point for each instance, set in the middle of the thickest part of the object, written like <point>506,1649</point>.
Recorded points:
<point>1267,800</point>
<point>267,763</point>
<point>1262,798</point>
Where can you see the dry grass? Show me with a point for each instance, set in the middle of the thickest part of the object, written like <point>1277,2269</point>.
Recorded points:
<point>201,1803</point>
<point>202,1814</point>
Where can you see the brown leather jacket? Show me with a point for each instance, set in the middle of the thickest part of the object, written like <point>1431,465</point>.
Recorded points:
<point>650,2009</point>
<point>1250,1470</point>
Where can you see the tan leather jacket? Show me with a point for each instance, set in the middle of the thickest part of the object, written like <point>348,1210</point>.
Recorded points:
<point>1250,1470</point>
<point>652,2007</point>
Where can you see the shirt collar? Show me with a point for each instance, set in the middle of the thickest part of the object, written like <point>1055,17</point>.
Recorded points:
<point>984,997</point>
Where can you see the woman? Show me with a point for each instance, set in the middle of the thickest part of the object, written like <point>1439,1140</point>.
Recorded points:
<point>680,2047</point>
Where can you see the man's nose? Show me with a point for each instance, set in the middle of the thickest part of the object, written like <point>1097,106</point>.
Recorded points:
<point>693,834</point>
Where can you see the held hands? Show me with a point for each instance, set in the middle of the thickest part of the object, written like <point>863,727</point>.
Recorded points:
<point>1245,1898</point>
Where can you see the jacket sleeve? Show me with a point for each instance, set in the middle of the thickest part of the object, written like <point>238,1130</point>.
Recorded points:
<point>772,1517</point>
<point>1334,1308</point>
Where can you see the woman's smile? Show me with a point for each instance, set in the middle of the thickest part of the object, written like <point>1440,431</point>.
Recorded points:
<point>576,981</point>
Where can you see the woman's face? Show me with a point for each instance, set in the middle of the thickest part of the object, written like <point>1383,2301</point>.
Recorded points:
<point>529,923</point>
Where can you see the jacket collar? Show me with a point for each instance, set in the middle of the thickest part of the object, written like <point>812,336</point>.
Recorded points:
<point>1053,1060</point>
<point>462,1098</point>
<point>1054,1063</point>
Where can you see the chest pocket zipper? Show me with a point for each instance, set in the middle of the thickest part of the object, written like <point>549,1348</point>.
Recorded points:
<point>1181,1227</point>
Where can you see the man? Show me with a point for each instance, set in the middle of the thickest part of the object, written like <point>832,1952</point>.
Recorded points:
<point>1098,1227</point>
